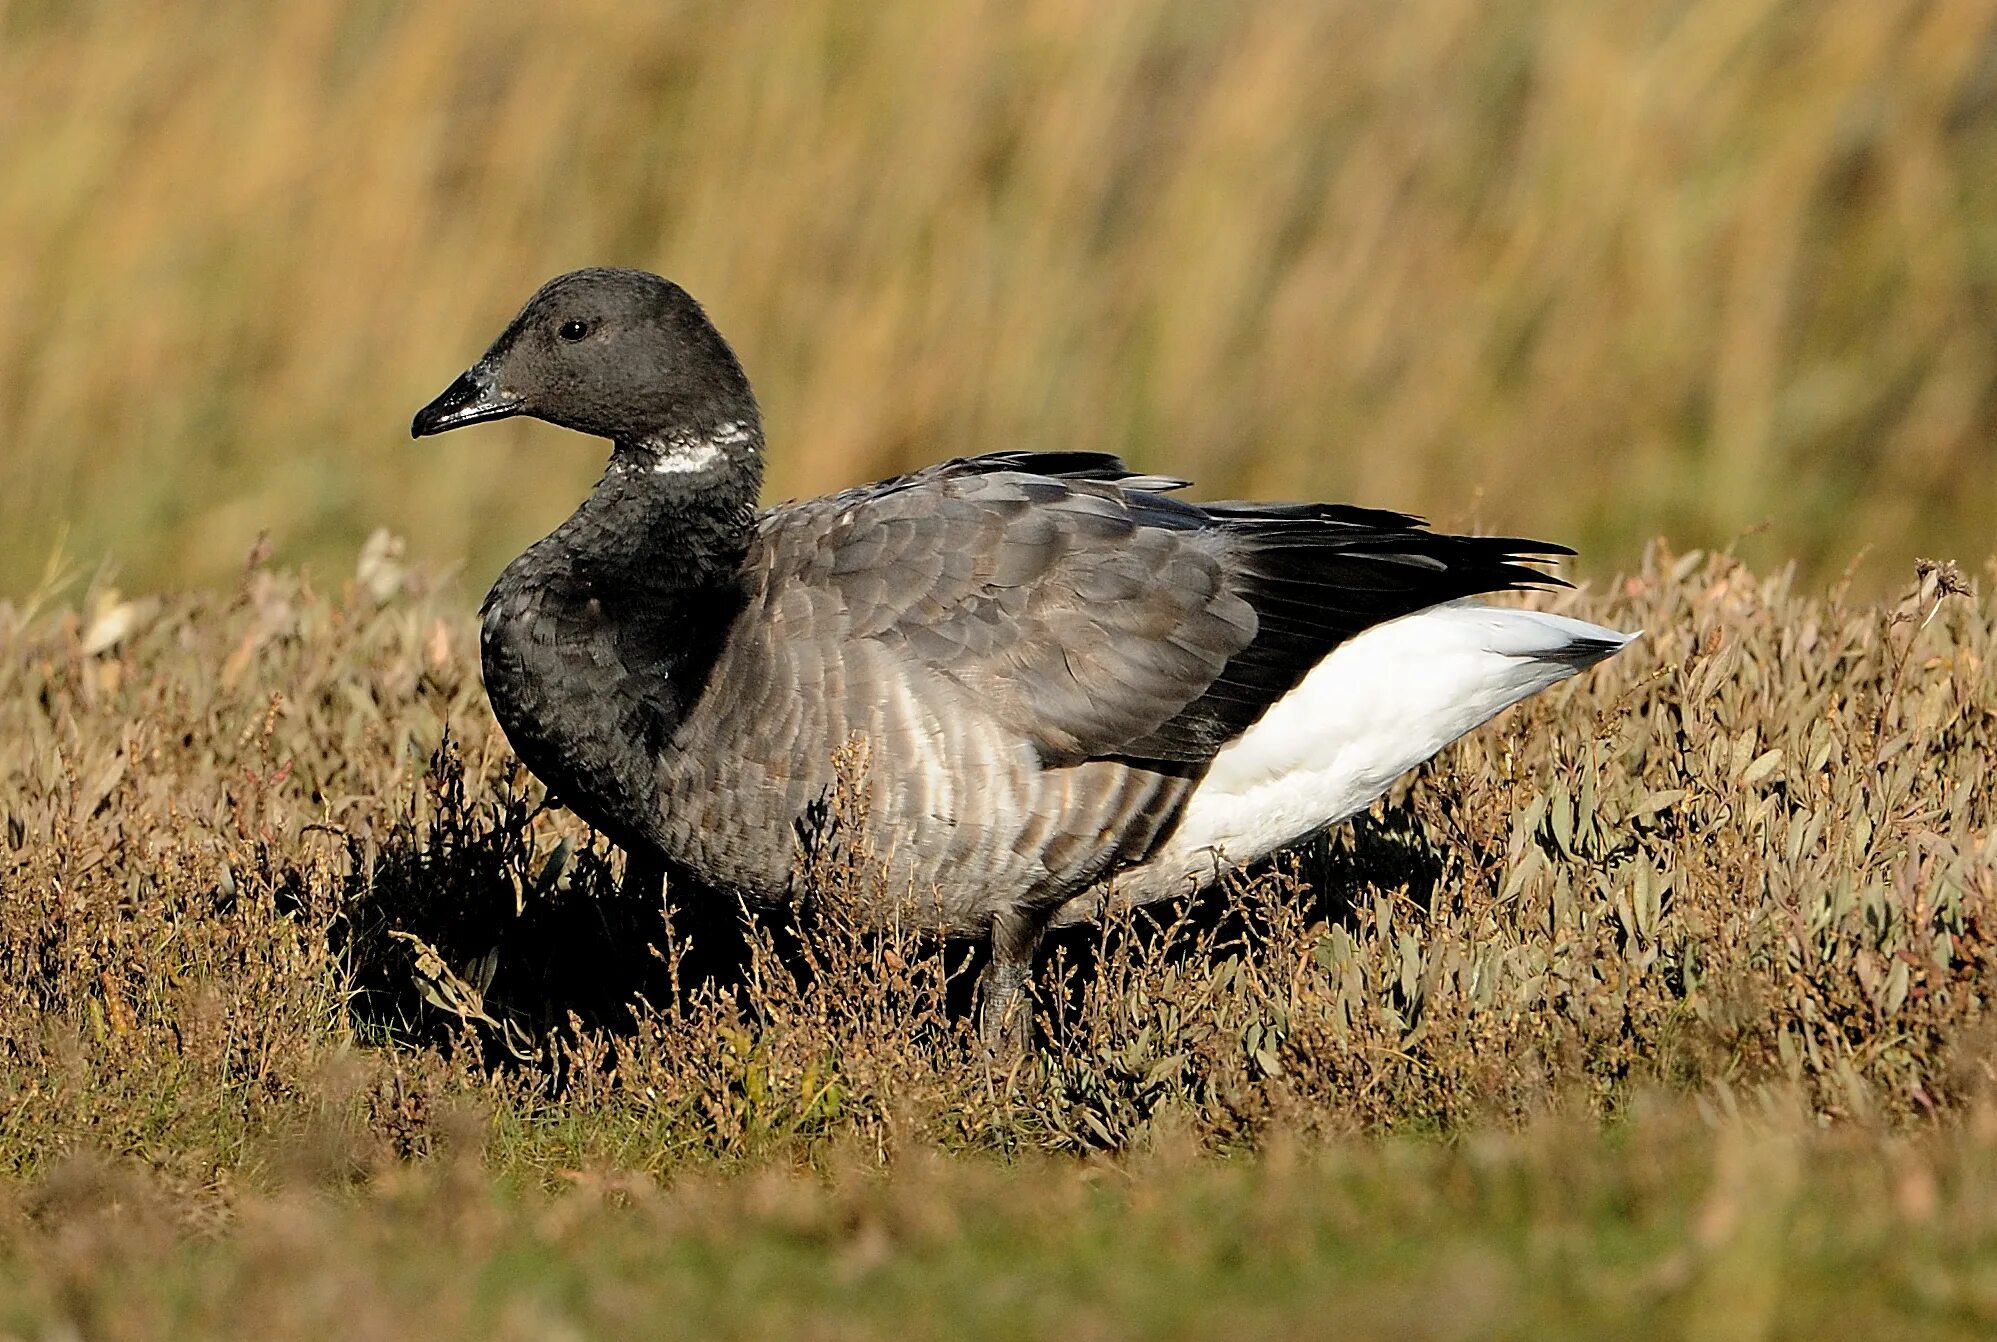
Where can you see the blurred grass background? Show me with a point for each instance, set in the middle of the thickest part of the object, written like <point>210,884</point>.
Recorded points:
<point>1594,272</point>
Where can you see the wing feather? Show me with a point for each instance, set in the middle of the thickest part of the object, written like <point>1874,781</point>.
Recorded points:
<point>1083,608</point>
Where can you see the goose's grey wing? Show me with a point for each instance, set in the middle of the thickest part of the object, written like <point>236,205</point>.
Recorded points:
<point>1092,614</point>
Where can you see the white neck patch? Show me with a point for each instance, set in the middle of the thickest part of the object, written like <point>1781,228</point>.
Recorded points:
<point>687,458</point>
<point>684,453</point>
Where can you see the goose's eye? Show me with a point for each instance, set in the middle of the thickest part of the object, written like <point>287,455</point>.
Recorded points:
<point>573,331</point>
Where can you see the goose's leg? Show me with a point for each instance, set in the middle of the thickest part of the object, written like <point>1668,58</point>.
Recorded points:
<point>1005,1009</point>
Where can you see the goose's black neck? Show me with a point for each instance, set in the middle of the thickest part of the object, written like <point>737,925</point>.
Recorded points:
<point>598,641</point>
<point>671,514</point>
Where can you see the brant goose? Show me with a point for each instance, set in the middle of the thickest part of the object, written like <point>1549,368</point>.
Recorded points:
<point>1074,691</point>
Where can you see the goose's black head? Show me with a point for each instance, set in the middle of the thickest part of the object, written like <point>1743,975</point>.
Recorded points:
<point>620,354</point>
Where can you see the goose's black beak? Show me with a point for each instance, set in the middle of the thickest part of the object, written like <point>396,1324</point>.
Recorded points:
<point>472,399</point>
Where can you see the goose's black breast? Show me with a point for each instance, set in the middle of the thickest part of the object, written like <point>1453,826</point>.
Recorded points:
<point>590,679</point>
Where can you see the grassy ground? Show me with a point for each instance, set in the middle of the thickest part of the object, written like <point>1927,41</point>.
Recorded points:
<point>1743,1226</point>
<point>1660,1005</point>
<point>1565,269</point>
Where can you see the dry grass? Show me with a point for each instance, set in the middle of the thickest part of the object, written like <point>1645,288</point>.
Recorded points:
<point>1689,963</point>
<point>1587,272</point>
<point>249,884</point>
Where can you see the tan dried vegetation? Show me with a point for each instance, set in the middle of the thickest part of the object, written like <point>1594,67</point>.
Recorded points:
<point>268,867</point>
<point>1618,270</point>
<point>279,914</point>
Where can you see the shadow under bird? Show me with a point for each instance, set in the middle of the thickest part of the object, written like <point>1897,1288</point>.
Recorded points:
<point>1072,690</point>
